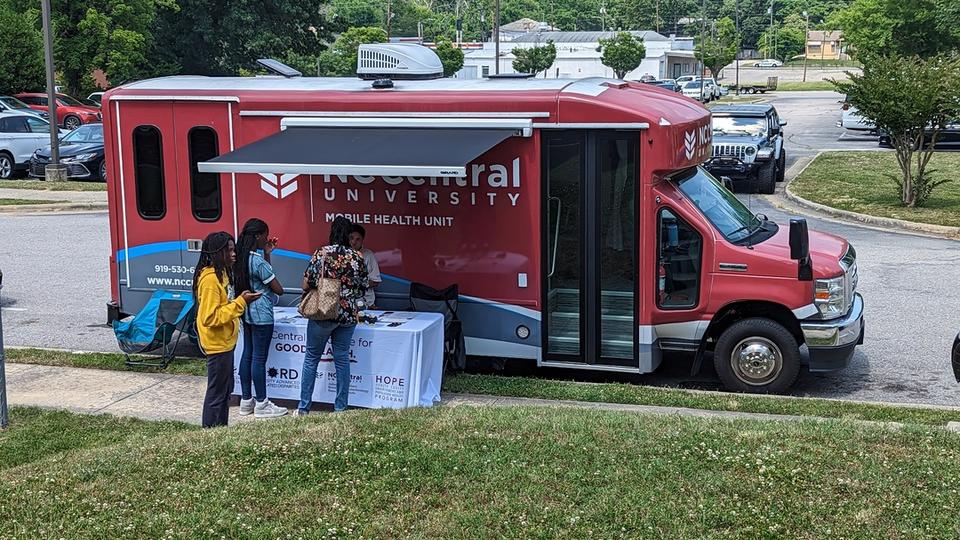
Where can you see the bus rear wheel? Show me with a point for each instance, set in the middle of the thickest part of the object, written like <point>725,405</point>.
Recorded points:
<point>757,356</point>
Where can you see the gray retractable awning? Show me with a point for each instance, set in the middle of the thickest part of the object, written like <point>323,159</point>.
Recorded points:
<point>361,151</point>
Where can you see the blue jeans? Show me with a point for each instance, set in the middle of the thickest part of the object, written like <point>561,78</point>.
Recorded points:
<point>318,332</point>
<point>253,362</point>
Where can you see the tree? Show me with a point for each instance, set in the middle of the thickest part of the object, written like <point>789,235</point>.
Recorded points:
<point>451,57</point>
<point>341,58</point>
<point>911,99</point>
<point>111,35</point>
<point>622,53</point>
<point>786,40</point>
<point>221,38</point>
<point>535,59</point>
<point>719,47</point>
<point>915,27</point>
<point>21,64</point>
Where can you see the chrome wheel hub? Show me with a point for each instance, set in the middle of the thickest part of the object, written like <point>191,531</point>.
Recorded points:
<point>5,167</point>
<point>756,361</point>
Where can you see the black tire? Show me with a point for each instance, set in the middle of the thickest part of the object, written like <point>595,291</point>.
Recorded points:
<point>8,167</point>
<point>767,178</point>
<point>757,356</point>
<point>72,122</point>
<point>782,165</point>
<point>102,170</point>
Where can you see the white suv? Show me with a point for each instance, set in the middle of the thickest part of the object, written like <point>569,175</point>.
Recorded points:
<point>20,136</point>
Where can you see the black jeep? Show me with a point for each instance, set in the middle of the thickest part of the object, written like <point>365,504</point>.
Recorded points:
<point>748,147</point>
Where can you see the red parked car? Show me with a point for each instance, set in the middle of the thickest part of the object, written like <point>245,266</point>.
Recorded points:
<point>71,114</point>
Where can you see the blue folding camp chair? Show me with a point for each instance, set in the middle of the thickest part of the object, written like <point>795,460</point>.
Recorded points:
<point>167,316</point>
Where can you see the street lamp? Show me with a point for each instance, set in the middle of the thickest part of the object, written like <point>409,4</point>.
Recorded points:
<point>54,171</point>
<point>806,38</point>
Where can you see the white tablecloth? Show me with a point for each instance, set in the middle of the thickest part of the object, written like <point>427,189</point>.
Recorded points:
<point>394,363</point>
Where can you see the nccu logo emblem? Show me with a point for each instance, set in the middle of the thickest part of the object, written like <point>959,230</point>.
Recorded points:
<point>278,186</point>
<point>698,137</point>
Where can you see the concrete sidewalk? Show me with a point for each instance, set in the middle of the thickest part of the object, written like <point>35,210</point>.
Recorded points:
<point>65,200</point>
<point>159,396</point>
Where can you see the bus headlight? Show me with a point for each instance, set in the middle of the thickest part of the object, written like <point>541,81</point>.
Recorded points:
<point>830,297</point>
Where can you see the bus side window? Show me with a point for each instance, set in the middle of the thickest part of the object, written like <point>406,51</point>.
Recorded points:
<point>678,262</point>
<point>148,169</point>
<point>205,200</point>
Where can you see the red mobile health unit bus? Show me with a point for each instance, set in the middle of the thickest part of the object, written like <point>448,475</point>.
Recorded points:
<point>572,214</point>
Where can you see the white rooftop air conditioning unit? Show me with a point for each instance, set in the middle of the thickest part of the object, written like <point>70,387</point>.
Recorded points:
<point>397,61</point>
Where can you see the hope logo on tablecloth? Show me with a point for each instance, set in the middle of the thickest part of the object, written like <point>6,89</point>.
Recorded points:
<point>390,388</point>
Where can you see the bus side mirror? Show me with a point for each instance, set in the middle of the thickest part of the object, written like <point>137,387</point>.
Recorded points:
<point>800,248</point>
<point>727,183</point>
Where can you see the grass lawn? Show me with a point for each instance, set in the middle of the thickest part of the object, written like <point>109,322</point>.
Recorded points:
<point>672,397</point>
<point>862,182</point>
<point>571,390</point>
<point>43,185</point>
<point>809,85</point>
<point>36,434</point>
<point>22,202</point>
<point>470,472</point>
<point>815,63</point>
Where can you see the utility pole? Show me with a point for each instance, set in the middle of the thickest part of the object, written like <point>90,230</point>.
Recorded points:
<point>54,171</point>
<point>389,17</point>
<point>773,37</point>
<point>806,37</point>
<point>496,37</point>
<point>703,29</point>
<point>657,17</point>
<point>736,57</point>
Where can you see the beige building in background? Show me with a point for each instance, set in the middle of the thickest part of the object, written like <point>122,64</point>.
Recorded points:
<point>824,45</point>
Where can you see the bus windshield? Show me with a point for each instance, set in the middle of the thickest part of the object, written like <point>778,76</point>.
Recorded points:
<point>724,210</point>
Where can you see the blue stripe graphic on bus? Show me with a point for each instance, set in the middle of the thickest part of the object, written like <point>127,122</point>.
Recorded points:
<point>150,249</point>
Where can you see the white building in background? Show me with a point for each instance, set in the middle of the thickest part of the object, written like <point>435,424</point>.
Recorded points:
<point>578,55</point>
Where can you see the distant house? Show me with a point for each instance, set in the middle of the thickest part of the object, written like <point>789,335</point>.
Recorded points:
<point>824,45</point>
<point>578,55</point>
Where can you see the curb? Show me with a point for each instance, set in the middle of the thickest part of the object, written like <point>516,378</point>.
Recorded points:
<point>53,208</point>
<point>855,218</point>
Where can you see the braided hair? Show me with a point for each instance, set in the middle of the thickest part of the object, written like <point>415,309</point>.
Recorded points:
<point>246,244</point>
<point>213,253</point>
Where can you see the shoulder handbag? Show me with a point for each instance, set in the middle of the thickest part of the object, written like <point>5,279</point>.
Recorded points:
<point>322,302</point>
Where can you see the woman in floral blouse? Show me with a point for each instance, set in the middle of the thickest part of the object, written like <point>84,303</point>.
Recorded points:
<point>338,261</point>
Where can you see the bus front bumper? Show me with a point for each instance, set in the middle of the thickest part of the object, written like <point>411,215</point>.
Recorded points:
<point>831,343</point>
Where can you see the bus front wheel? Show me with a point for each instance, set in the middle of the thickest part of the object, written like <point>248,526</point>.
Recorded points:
<point>757,356</point>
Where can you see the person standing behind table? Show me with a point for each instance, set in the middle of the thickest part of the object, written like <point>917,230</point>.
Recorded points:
<point>253,271</point>
<point>357,238</point>
<point>218,322</point>
<point>338,261</point>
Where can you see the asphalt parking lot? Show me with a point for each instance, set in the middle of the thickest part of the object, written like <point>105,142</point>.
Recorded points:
<point>56,283</point>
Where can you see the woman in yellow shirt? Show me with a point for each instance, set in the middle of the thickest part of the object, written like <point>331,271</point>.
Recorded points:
<point>218,322</point>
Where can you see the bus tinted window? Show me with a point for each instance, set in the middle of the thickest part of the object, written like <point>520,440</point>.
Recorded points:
<point>148,168</point>
<point>680,253</point>
<point>205,198</point>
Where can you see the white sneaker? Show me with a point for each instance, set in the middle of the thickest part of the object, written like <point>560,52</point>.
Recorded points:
<point>266,409</point>
<point>246,406</point>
